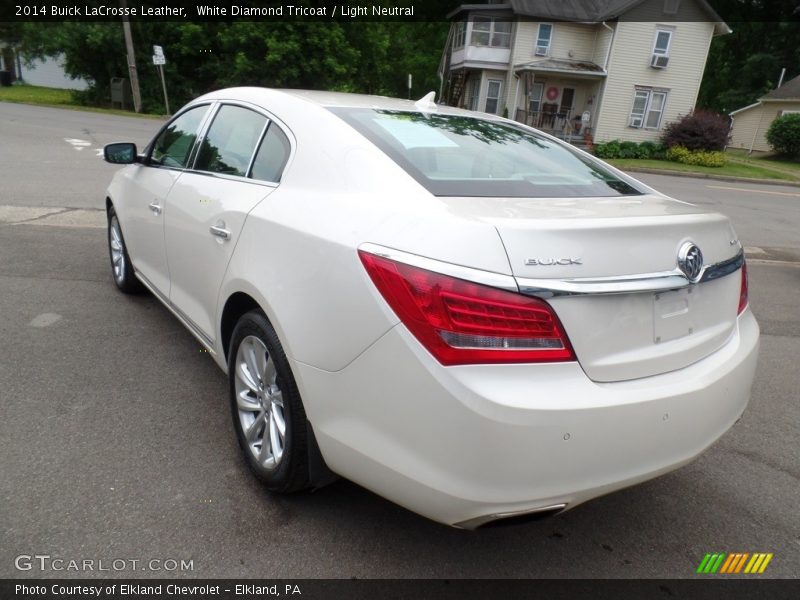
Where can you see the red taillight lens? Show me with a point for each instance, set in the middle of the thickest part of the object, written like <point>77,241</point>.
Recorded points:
<point>743,291</point>
<point>460,322</point>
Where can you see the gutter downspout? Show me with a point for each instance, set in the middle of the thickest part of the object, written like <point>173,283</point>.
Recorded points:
<point>597,110</point>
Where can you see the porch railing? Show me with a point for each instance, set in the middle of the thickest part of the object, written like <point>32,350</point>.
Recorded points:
<point>550,120</point>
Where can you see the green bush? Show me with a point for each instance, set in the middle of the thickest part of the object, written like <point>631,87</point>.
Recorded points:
<point>654,150</point>
<point>607,149</point>
<point>628,150</point>
<point>617,149</point>
<point>784,135</point>
<point>702,158</point>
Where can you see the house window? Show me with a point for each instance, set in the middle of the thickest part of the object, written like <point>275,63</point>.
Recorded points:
<point>660,56</point>
<point>648,108</point>
<point>487,31</point>
<point>493,96</point>
<point>459,35</point>
<point>543,39</point>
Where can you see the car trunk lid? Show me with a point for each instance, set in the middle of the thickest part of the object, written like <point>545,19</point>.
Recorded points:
<point>620,335</point>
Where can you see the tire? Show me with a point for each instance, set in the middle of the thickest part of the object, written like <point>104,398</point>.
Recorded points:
<point>121,267</point>
<point>261,403</point>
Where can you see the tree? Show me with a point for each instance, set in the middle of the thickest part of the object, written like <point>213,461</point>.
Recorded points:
<point>784,135</point>
<point>366,57</point>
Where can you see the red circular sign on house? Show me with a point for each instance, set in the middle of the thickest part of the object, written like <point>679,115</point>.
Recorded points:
<point>552,93</point>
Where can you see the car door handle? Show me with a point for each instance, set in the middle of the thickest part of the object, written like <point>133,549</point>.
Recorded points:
<point>220,232</point>
<point>155,207</point>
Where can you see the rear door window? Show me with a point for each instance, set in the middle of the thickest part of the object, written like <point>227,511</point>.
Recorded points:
<point>231,140</point>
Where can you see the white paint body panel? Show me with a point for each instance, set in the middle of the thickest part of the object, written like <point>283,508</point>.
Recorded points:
<point>455,443</point>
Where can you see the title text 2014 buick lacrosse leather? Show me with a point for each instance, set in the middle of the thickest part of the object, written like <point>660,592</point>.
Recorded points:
<point>462,314</point>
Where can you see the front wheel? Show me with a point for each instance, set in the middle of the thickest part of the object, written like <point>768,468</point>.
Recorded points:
<point>121,268</point>
<point>268,414</point>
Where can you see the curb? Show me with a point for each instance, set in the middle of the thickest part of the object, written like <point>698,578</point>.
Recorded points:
<point>710,176</point>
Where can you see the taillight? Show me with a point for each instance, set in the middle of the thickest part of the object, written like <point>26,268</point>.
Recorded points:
<point>743,290</point>
<point>461,322</point>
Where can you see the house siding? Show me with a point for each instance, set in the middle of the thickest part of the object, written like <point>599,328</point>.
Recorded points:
<point>750,126</point>
<point>629,67</point>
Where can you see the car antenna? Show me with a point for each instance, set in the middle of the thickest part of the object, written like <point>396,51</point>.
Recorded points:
<point>426,102</point>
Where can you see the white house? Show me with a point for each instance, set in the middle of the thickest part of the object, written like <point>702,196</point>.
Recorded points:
<point>607,69</point>
<point>750,124</point>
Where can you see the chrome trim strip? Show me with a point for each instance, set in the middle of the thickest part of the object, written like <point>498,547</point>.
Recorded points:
<point>496,280</point>
<point>478,521</point>
<point>627,284</point>
<point>207,342</point>
<point>549,288</point>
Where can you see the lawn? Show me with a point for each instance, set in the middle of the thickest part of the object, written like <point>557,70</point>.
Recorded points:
<point>34,94</point>
<point>775,163</point>
<point>755,168</point>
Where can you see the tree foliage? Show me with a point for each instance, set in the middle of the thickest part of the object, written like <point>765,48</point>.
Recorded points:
<point>746,64</point>
<point>371,57</point>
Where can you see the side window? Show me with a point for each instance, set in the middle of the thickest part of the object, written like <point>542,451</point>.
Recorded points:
<point>173,145</point>
<point>230,141</point>
<point>272,155</point>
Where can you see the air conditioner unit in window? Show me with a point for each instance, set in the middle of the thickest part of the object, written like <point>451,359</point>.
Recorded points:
<point>659,61</point>
<point>636,121</point>
<point>541,50</point>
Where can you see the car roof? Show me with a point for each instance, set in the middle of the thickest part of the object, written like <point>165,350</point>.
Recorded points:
<point>263,96</point>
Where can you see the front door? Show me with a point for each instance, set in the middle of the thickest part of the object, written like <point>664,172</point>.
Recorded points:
<point>148,188</point>
<point>567,98</point>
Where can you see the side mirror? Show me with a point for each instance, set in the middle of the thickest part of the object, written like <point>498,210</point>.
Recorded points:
<point>120,153</point>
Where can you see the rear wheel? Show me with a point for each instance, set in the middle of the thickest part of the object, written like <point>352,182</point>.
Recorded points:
<point>267,411</point>
<point>121,268</point>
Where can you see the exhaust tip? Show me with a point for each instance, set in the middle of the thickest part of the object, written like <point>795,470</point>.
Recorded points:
<point>512,518</point>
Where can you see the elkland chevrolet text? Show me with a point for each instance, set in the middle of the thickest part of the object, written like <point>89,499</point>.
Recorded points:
<point>460,313</point>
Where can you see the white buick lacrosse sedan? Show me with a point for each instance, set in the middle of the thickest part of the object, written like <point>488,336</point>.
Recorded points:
<point>458,312</point>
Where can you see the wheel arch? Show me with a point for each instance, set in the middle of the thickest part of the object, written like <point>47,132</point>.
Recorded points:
<point>236,305</point>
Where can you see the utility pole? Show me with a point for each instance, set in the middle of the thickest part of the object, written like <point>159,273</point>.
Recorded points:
<point>126,28</point>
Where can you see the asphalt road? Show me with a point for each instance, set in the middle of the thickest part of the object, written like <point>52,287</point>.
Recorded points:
<point>116,442</point>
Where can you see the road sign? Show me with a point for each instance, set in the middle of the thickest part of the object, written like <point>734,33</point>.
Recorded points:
<point>159,60</point>
<point>158,51</point>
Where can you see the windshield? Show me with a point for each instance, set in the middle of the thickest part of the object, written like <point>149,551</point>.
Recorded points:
<point>454,155</point>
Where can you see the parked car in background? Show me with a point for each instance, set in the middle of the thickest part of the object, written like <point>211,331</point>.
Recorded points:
<point>460,313</point>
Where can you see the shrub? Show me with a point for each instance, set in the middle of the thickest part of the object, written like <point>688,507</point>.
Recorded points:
<point>784,135</point>
<point>703,158</point>
<point>699,130</point>
<point>607,149</point>
<point>655,150</point>
<point>628,150</point>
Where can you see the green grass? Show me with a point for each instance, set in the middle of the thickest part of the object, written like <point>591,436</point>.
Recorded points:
<point>44,96</point>
<point>733,168</point>
<point>33,94</point>
<point>772,162</point>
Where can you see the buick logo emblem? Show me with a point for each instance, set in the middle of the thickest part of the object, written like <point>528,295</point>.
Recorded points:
<point>690,261</point>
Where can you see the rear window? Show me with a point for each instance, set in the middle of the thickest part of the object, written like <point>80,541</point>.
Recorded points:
<point>454,155</point>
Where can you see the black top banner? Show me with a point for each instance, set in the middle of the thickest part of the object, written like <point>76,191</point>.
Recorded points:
<point>377,10</point>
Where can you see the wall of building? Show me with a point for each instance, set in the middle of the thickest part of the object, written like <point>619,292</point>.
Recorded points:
<point>750,126</point>
<point>50,73</point>
<point>629,67</point>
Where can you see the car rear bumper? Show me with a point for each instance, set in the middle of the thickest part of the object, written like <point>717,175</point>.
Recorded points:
<point>460,444</point>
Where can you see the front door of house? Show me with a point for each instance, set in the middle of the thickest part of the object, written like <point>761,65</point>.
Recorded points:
<point>567,97</point>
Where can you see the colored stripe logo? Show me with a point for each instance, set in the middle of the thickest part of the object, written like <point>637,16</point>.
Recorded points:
<point>735,562</point>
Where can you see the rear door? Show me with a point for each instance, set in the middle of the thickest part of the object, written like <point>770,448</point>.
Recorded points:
<point>239,162</point>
